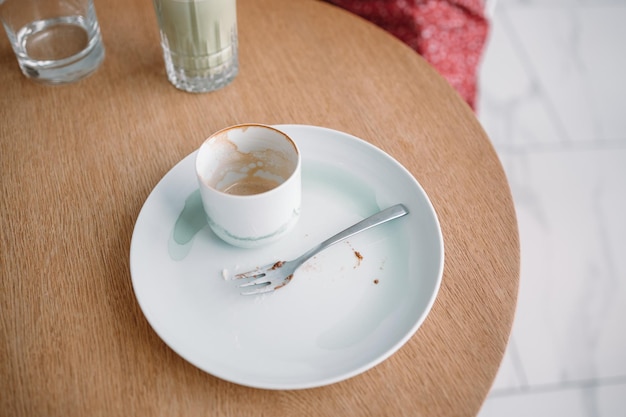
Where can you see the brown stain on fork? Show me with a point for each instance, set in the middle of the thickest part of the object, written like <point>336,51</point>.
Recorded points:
<point>277,265</point>
<point>285,282</point>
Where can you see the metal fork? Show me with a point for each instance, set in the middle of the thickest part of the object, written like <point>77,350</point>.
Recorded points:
<point>278,274</point>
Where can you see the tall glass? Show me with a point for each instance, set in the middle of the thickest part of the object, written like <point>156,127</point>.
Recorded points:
<point>199,41</point>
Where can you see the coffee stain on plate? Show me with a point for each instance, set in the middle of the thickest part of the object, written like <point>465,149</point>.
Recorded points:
<point>190,221</point>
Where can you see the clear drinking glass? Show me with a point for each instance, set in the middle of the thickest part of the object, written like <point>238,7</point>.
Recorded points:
<point>199,41</point>
<point>55,41</point>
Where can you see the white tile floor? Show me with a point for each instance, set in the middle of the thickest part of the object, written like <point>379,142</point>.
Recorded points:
<point>553,100</point>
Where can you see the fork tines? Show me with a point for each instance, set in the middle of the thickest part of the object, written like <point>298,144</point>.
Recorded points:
<point>260,275</point>
<point>260,272</point>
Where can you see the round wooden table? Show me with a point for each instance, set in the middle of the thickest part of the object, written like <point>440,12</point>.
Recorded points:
<point>78,161</point>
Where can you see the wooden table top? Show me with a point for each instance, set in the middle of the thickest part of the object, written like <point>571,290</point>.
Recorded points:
<point>78,161</point>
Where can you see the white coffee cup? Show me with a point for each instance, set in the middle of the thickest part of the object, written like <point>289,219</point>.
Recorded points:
<point>250,183</point>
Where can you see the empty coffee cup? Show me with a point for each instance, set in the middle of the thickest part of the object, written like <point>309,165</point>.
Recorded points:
<point>250,183</point>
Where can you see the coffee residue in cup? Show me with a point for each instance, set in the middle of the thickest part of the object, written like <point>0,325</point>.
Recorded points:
<point>246,173</point>
<point>250,186</point>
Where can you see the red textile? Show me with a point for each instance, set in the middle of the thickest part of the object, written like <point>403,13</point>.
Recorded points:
<point>449,34</point>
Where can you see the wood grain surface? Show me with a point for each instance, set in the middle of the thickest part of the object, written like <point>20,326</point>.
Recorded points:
<point>78,161</point>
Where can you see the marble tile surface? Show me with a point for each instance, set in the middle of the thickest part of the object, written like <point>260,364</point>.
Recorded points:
<point>571,402</point>
<point>553,101</point>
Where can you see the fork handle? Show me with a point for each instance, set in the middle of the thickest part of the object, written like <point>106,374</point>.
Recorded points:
<point>381,217</point>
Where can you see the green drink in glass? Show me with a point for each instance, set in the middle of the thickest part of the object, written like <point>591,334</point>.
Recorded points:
<point>199,41</point>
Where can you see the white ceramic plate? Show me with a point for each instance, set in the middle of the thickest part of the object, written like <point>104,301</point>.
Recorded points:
<point>341,315</point>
